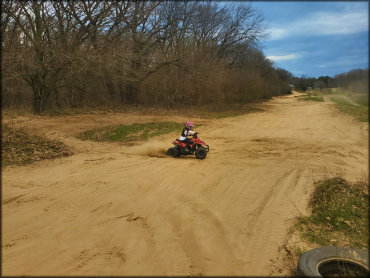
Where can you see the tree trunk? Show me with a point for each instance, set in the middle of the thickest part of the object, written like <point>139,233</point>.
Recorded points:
<point>40,93</point>
<point>37,99</point>
<point>131,93</point>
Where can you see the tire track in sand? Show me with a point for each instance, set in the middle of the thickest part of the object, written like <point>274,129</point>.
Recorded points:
<point>225,215</point>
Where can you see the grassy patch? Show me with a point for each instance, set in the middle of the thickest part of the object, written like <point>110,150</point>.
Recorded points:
<point>19,148</point>
<point>360,112</point>
<point>342,91</point>
<point>360,99</point>
<point>324,91</point>
<point>127,133</point>
<point>339,214</point>
<point>313,97</point>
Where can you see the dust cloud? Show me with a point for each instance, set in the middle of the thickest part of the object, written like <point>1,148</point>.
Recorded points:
<point>154,148</point>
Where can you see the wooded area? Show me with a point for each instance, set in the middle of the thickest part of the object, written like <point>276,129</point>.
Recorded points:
<point>356,81</point>
<point>65,54</point>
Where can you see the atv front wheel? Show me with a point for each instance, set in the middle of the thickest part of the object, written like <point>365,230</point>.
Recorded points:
<point>174,152</point>
<point>201,153</point>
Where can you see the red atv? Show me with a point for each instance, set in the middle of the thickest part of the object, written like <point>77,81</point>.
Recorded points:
<point>197,147</point>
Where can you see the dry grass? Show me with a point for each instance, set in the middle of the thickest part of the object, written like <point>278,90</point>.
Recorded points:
<point>339,214</point>
<point>339,217</point>
<point>203,111</point>
<point>20,148</point>
<point>360,112</point>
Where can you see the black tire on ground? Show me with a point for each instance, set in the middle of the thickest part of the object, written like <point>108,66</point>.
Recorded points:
<point>178,151</point>
<point>201,153</point>
<point>331,261</point>
<point>174,152</point>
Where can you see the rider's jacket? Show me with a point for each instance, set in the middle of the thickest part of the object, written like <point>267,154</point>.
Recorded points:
<point>185,132</point>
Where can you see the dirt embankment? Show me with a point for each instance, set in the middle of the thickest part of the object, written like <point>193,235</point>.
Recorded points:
<point>129,210</point>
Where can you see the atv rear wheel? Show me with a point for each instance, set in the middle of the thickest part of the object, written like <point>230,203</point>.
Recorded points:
<point>174,152</point>
<point>201,153</point>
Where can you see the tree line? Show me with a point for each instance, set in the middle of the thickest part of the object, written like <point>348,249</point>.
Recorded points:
<point>62,54</point>
<point>356,81</point>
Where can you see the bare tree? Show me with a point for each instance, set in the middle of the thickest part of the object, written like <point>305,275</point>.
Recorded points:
<point>131,52</point>
<point>49,32</point>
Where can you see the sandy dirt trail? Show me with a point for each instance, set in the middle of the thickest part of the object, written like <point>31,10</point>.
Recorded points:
<point>111,209</point>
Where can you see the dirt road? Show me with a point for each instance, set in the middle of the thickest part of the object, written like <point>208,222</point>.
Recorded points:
<point>111,209</point>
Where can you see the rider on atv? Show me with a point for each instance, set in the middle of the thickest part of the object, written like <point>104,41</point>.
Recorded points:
<point>184,146</point>
<point>188,130</point>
